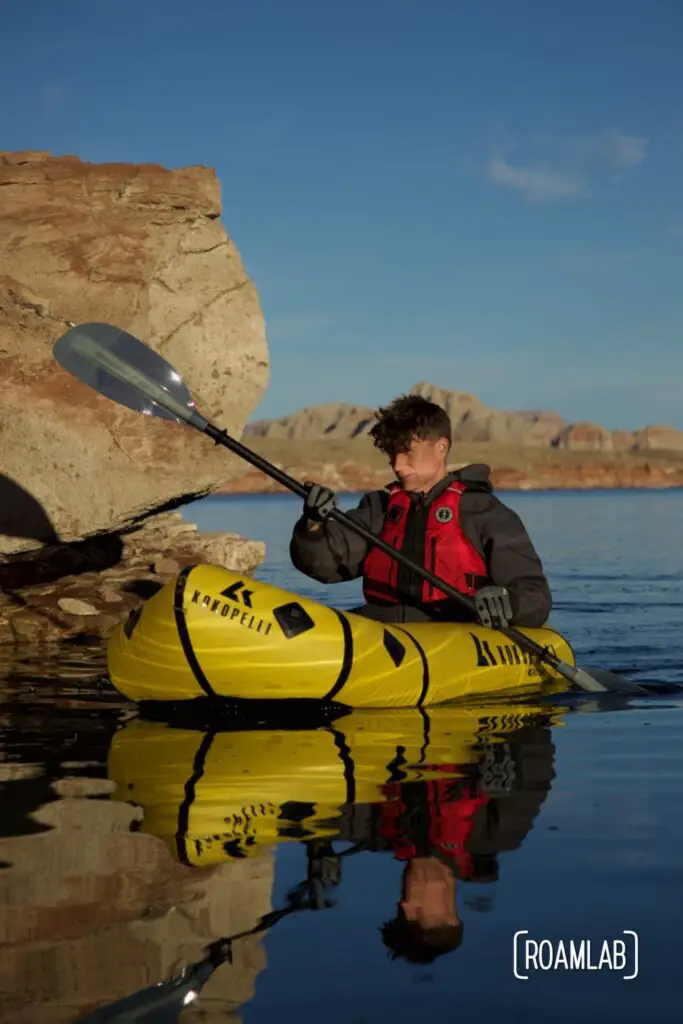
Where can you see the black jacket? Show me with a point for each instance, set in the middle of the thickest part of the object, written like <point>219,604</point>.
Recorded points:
<point>516,773</point>
<point>335,553</point>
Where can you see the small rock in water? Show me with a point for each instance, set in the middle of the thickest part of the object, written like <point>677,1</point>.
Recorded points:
<point>73,606</point>
<point>166,566</point>
<point>27,625</point>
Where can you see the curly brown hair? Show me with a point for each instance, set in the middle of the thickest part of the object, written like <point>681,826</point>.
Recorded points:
<point>418,945</point>
<point>409,418</point>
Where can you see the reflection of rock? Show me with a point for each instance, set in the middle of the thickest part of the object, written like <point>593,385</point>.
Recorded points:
<point>90,912</point>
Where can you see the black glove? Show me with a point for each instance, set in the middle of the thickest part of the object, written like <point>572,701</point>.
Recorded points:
<point>319,502</point>
<point>493,607</point>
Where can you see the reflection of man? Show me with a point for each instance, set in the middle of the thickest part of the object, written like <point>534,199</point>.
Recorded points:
<point>452,829</point>
<point>427,824</point>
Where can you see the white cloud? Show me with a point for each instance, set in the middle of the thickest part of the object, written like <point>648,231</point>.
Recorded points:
<point>624,150</point>
<point>574,160</point>
<point>539,182</point>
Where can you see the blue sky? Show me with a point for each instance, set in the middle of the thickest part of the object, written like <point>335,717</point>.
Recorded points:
<point>488,196</point>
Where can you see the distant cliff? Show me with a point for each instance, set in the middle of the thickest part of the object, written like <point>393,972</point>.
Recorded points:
<point>473,422</point>
<point>526,449</point>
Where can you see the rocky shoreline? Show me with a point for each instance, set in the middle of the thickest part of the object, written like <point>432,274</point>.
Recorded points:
<point>354,467</point>
<point>353,479</point>
<point>89,597</point>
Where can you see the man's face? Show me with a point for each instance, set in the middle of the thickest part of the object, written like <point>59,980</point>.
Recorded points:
<point>422,465</point>
<point>429,893</point>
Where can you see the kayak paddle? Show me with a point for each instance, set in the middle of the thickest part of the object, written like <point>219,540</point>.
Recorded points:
<point>121,367</point>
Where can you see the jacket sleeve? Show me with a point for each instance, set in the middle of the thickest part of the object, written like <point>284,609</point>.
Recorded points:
<point>514,563</point>
<point>335,553</point>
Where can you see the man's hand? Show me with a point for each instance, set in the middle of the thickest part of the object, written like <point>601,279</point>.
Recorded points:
<point>493,607</point>
<point>319,502</point>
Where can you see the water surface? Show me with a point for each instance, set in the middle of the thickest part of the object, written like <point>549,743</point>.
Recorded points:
<point>127,846</point>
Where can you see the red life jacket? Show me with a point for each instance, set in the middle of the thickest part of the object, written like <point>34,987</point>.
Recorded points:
<point>445,550</point>
<point>450,819</point>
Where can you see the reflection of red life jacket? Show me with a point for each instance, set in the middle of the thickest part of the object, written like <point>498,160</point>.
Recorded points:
<point>450,812</point>
<point>430,535</point>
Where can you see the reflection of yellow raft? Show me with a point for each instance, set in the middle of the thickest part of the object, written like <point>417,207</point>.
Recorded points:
<point>212,632</point>
<point>212,796</point>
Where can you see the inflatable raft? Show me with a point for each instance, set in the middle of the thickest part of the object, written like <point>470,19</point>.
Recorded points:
<point>212,796</point>
<point>212,632</point>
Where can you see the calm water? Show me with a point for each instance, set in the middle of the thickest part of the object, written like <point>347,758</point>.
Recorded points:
<point>571,813</point>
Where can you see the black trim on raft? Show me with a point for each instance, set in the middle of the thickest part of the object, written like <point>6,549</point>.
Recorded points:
<point>558,636</point>
<point>394,648</point>
<point>425,666</point>
<point>394,769</point>
<point>198,766</point>
<point>426,726</point>
<point>349,767</point>
<point>347,657</point>
<point>184,634</point>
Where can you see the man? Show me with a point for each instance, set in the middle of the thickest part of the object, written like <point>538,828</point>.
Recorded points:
<point>449,523</point>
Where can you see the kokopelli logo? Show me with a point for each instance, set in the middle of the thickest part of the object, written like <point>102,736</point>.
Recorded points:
<point>232,594</point>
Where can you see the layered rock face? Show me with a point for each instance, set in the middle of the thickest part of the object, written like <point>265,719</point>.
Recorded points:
<point>474,421</point>
<point>656,438</point>
<point>326,420</point>
<point>143,248</point>
<point>585,437</point>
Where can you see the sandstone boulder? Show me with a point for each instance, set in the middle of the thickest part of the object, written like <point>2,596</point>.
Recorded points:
<point>144,248</point>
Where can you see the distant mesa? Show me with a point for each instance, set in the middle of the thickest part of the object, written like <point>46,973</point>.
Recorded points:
<point>473,422</point>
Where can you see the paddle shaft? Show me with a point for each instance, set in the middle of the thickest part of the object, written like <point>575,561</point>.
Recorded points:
<point>222,437</point>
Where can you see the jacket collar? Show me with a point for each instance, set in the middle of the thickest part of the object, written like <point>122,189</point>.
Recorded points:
<point>436,491</point>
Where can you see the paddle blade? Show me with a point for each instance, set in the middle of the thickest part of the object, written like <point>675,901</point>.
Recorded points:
<point>121,367</point>
<point>599,680</point>
<point>611,682</point>
<point>158,1004</point>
